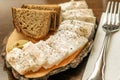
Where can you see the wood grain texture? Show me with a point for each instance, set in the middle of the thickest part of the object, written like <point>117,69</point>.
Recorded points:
<point>6,26</point>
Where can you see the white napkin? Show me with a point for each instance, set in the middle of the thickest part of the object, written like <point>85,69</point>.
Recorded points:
<point>113,56</point>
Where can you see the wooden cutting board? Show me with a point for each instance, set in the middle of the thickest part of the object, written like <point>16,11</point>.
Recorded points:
<point>72,74</point>
<point>15,36</point>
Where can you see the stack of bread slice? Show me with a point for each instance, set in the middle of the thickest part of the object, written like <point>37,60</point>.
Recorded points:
<point>32,23</point>
<point>58,52</point>
<point>35,21</point>
<point>53,8</point>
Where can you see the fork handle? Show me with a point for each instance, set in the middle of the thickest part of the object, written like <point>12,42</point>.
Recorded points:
<point>99,69</point>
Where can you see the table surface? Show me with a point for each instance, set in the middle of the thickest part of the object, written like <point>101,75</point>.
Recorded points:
<point>6,26</point>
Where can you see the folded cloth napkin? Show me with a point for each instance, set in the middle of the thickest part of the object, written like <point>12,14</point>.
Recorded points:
<point>112,71</point>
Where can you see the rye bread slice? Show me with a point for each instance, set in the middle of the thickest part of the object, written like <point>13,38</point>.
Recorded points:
<point>32,23</point>
<point>54,8</point>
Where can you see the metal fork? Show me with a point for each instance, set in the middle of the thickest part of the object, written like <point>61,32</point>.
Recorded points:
<point>110,26</point>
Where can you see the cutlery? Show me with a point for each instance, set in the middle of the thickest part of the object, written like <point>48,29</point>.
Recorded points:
<point>111,25</point>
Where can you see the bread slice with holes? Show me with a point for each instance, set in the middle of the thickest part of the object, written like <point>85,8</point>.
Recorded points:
<point>32,23</point>
<point>53,8</point>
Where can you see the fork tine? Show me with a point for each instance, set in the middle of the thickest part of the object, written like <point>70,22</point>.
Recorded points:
<point>114,14</point>
<point>118,15</point>
<point>111,9</point>
<point>110,13</point>
<point>106,13</point>
<point>108,6</point>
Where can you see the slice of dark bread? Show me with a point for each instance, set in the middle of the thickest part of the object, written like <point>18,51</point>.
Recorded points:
<point>55,8</point>
<point>32,23</point>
